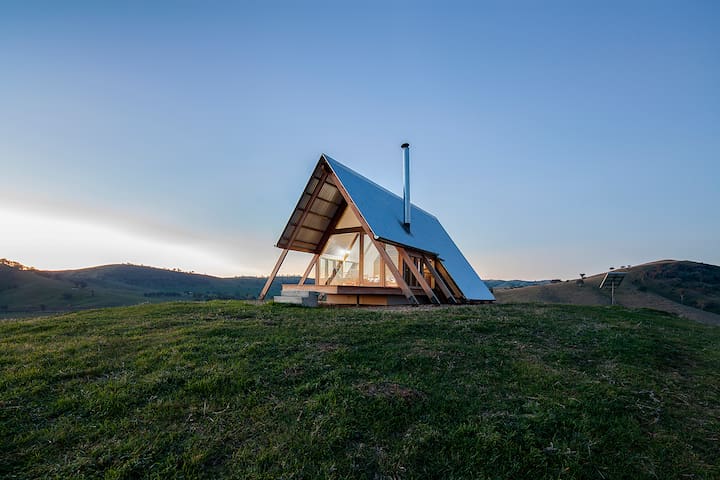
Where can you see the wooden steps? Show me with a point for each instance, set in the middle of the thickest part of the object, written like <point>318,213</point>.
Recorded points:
<point>306,298</point>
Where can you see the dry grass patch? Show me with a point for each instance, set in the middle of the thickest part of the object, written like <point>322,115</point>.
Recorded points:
<point>391,390</point>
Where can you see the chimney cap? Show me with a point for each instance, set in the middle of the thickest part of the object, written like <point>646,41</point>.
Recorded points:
<point>405,145</point>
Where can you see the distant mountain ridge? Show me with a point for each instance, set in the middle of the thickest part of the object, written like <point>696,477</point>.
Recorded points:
<point>501,284</point>
<point>687,288</point>
<point>25,289</point>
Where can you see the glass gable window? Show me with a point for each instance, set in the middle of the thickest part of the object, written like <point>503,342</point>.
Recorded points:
<point>351,259</point>
<point>340,261</point>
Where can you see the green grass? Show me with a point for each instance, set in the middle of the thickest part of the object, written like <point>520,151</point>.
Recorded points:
<point>225,389</point>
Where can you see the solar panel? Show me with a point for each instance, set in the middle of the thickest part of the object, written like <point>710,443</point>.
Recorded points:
<point>612,280</point>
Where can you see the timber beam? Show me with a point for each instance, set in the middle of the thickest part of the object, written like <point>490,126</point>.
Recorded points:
<point>439,280</point>
<point>418,276</point>
<point>273,274</point>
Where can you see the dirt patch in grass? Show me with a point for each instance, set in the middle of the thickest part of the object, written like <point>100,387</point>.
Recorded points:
<point>425,353</point>
<point>327,346</point>
<point>391,390</point>
<point>293,371</point>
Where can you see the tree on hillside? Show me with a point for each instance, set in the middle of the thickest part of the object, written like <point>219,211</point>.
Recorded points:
<point>17,265</point>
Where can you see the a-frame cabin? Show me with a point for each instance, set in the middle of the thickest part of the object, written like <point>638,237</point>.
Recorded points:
<point>366,251</point>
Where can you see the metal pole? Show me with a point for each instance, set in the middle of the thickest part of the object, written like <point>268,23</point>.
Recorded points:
<point>612,289</point>
<point>406,183</point>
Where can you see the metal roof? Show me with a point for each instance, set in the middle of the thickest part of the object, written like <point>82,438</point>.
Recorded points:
<point>383,211</point>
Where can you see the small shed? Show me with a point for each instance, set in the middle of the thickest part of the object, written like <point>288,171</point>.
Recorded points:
<point>372,247</point>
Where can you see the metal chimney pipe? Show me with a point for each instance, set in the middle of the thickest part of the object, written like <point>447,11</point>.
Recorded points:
<point>406,186</point>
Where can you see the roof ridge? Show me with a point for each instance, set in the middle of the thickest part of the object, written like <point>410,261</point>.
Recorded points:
<point>332,160</point>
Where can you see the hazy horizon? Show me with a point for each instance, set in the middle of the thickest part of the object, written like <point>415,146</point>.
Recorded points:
<point>548,139</point>
<point>296,274</point>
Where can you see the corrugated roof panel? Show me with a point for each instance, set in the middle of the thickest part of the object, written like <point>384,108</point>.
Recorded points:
<point>323,207</point>
<point>328,192</point>
<point>309,236</point>
<point>295,217</point>
<point>286,234</point>
<point>304,201</point>
<point>300,211</point>
<point>315,221</point>
<point>383,211</point>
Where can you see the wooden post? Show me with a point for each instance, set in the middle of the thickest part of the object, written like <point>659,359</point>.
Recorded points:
<point>418,276</point>
<point>317,272</point>
<point>439,280</point>
<point>361,261</point>
<point>273,274</point>
<point>309,269</point>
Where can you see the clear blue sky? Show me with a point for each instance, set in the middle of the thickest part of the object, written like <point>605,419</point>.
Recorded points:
<point>550,138</point>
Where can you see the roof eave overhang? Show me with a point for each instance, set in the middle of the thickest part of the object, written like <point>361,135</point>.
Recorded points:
<point>408,247</point>
<point>288,236</point>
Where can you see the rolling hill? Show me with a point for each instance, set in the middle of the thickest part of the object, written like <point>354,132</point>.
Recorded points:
<point>225,389</point>
<point>28,291</point>
<point>685,288</point>
<point>689,289</point>
<point>500,284</point>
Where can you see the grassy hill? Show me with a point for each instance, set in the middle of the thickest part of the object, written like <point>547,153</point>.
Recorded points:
<point>29,291</point>
<point>689,289</point>
<point>690,283</point>
<point>500,284</point>
<point>225,389</point>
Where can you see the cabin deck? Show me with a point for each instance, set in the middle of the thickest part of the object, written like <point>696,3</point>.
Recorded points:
<point>358,295</point>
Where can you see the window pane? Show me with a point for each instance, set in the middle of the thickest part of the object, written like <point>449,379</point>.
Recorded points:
<point>339,262</point>
<point>408,274</point>
<point>389,277</point>
<point>427,274</point>
<point>372,264</point>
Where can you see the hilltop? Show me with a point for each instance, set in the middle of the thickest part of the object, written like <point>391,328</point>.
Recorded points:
<point>501,284</point>
<point>26,290</point>
<point>685,288</point>
<point>224,389</point>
